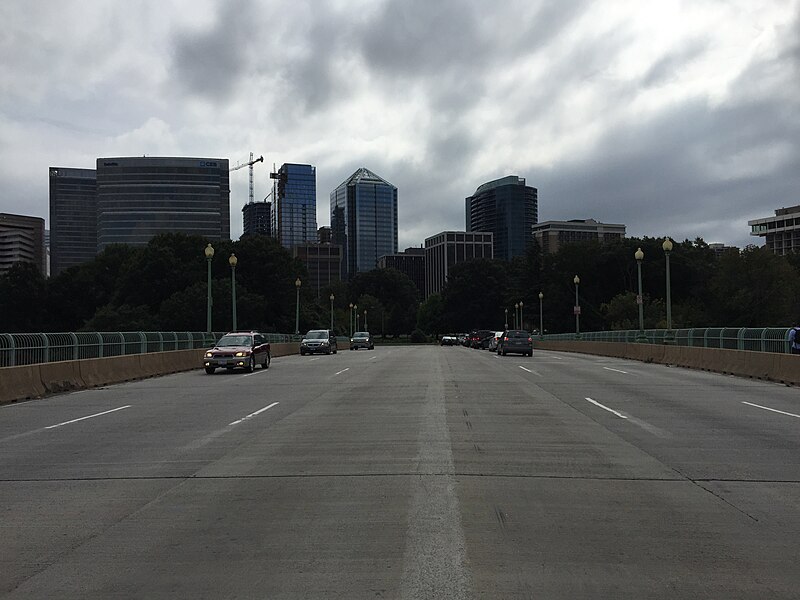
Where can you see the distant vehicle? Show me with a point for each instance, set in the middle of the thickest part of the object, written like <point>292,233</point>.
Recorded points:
<point>361,339</point>
<point>318,340</point>
<point>480,338</point>
<point>495,338</point>
<point>515,340</point>
<point>449,340</point>
<point>238,350</point>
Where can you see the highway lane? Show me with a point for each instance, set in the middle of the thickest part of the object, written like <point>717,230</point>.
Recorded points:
<point>406,473</point>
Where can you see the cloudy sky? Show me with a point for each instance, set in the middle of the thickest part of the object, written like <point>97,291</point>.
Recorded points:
<point>677,118</point>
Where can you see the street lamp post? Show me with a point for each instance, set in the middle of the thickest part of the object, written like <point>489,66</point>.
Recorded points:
<point>541,326</point>
<point>232,261</point>
<point>209,252</point>
<point>506,321</point>
<point>577,309</point>
<point>521,320</point>
<point>516,315</point>
<point>297,285</point>
<point>358,317</point>
<point>332,299</point>
<point>669,338</point>
<point>366,327</point>
<point>639,256</point>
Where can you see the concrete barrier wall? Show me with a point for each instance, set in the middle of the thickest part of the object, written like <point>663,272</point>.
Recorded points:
<point>761,365</point>
<point>33,381</point>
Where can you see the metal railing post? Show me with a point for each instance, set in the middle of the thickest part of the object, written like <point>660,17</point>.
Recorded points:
<point>100,345</point>
<point>12,347</point>
<point>74,339</point>
<point>45,347</point>
<point>740,339</point>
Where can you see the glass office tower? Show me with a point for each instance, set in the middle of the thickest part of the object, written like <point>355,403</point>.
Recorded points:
<point>138,198</point>
<point>257,218</point>
<point>364,221</point>
<point>73,217</point>
<point>294,213</point>
<point>509,209</point>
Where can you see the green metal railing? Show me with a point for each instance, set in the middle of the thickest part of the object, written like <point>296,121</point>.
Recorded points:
<point>34,348</point>
<point>757,339</point>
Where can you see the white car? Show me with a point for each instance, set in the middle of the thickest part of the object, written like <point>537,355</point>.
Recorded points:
<point>495,338</point>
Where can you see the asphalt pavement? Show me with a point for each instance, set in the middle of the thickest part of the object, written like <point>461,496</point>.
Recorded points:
<point>406,472</point>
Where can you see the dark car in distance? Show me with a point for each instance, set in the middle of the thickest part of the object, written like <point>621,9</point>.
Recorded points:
<point>361,339</point>
<point>238,350</point>
<point>318,340</point>
<point>516,341</point>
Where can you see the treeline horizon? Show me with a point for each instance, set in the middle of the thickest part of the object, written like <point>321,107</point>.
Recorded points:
<point>162,287</point>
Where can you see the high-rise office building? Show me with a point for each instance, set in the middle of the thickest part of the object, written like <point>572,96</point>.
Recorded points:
<point>257,218</point>
<point>552,235</point>
<point>324,264</point>
<point>21,240</point>
<point>781,232</point>
<point>449,248</point>
<point>410,262</point>
<point>509,209</point>
<point>364,220</point>
<point>140,197</point>
<point>73,217</point>
<point>294,212</point>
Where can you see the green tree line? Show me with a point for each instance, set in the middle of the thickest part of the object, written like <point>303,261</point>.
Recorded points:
<point>162,286</point>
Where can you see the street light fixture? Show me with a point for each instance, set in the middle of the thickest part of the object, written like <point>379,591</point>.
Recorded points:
<point>232,261</point>
<point>521,320</point>
<point>541,327</point>
<point>516,315</point>
<point>297,285</point>
<point>669,338</point>
<point>577,280</point>
<point>209,252</point>
<point>355,309</point>
<point>639,256</point>
<point>351,319</point>
<point>366,328</point>
<point>332,299</point>
<point>506,321</point>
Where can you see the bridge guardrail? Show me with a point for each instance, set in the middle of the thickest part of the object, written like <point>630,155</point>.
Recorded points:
<point>756,339</point>
<point>18,349</point>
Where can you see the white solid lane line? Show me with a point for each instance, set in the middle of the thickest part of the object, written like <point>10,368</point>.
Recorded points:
<point>343,370</point>
<point>530,371</point>
<point>373,358</point>
<point>251,415</point>
<point>788,414</point>
<point>615,370</point>
<point>611,410</point>
<point>88,417</point>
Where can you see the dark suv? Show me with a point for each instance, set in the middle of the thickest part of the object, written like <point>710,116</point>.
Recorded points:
<point>361,339</point>
<point>515,340</point>
<point>318,340</point>
<point>238,350</point>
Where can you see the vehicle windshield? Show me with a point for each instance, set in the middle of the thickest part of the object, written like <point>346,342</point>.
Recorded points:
<point>361,334</point>
<point>518,334</point>
<point>235,340</point>
<point>317,335</point>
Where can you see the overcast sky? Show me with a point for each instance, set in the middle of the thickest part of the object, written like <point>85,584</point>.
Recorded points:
<point>674,118</point>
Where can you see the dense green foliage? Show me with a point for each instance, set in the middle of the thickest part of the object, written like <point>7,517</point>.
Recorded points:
<point>162,286</point>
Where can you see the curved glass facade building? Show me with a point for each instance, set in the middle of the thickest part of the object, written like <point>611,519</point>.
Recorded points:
<point>364,221</point>
<point>294,214</point>
<point>138,198</point>
<point>507,208</point>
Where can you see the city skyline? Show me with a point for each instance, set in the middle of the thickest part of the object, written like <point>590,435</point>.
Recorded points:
<point>674,119</point>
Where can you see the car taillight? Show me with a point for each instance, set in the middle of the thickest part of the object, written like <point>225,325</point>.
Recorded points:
<point>530,340</point>
<point>505,339</point>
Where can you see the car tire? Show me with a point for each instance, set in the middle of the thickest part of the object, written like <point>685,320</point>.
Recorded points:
<point>210,370</point>
<point>335,350</point>
<point>302,353</point>
<point>504,353</point>
<point>251,365</point>
<point>265,364</point>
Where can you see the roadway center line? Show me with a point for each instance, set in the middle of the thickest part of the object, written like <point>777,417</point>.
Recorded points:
<point>254,373</point>
<point>373,358</point>
<point>251,415</point>
<point>530,371</point>
<point>313,359</point>
<point>611,410</point>
<point>343,370</point>
<point>788,414</point>
<point>615,370</point>
<point>88,417</point>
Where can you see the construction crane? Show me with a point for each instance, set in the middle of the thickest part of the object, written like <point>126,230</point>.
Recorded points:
<point>250,164</point>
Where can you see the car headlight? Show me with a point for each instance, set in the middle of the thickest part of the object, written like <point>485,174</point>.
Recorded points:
<point>209,354</point>
<point>245,353</point>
